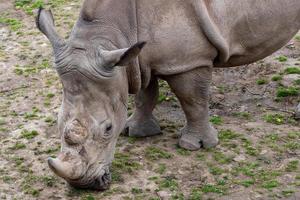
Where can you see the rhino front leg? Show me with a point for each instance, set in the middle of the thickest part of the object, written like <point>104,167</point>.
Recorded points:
<point>142,123</point>
<point>192,90</point>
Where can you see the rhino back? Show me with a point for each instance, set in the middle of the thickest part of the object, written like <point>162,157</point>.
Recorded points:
<point>254,29</point>
<point>184,34</point>
<point>176,42</point>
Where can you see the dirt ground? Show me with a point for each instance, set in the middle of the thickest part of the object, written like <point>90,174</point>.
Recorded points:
<point>251,106</point>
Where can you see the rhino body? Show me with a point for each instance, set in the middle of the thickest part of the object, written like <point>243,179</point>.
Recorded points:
<point>185,39</point>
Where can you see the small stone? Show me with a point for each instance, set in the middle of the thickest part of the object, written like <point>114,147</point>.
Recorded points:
<point>287,178</point>
<point>239,158</point>
<point>289,80</point>
<point>243,108</point>
<point>164,195</point>
<point>263,152</point>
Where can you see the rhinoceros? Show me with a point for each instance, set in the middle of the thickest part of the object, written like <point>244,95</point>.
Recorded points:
<point>106,58</point>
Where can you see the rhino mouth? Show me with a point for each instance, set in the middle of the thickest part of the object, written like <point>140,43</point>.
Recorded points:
<point>78,175</point>
<point>100,183</point>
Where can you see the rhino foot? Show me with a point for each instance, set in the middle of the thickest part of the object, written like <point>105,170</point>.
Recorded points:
<point>142,128</point>
<point>193,141</point>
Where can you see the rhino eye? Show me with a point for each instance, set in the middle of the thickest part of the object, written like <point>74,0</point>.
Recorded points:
<point>103,131</point>
<point>109,128</point>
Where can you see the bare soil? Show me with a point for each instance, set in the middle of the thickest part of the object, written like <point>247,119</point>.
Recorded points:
<point>258,155</point>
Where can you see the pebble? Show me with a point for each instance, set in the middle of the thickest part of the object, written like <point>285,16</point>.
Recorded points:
<point>263,152</point>
<point>289,79</point>
<point>164,195</point>
<point>239,158</point>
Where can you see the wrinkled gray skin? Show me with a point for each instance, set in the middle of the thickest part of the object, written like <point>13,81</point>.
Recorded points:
<point>185,40</point>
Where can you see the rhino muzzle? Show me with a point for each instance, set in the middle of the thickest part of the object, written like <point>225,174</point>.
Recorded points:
<point>76,173</point>
<point>99,183</point>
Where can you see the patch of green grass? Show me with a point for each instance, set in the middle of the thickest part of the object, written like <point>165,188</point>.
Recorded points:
<point>201,156</point>
<point>132,140</point>
<point>163,97</point>
<point>18,71</point>
<point>161,168</point>
<point>277,78</point>
<point>28,183</point>
<point>49,181</point>
<point>28,5</point>
<point>27,70</point>
<point>261,81</point>
<point>293,145</point>
<point>136,190</point>
<point>297,82</point>
<point>297,37</point>
<point>292,70</point>
<point>182,152</point>
<point>89,197</point>
<point>222,158</point>
<point>250,150</point>
<point>272,137</point>
<point>123,163</point>
<point>29,134</point>
<point>247,169</point>
<point>179,196</point>
<point>4,129</point>
<point>154,198</point>
<point>18,146</point>
<point>292,166</point>
<point>287,92</point>
<point>209,188</point>
<point>155,153</point>
<point>270,184</point>
<point>216,120</point>
<point>227,135</point>
<point>287,193</point>
<point>18,160</point>
<point>2,122</point>
<point>50,121</point>
<point>293,135</point>
<point>224,89</point>
<point>168,182</point>
<point>32,115</point>
<point>214,170</point>
<point>7,179</point>
<point>196,194</point>
<point>277,119</point>
<point>262,177</point>
<point>50,95</point>
<point>243,115</point>
<point>164,94</point>
<point>13,24</point>
<point>282,58</point>
<point>247,183</point>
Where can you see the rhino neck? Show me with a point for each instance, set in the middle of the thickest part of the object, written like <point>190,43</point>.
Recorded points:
<point>111,22</point>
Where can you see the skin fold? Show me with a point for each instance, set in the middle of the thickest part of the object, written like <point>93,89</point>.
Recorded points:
<point>105,59</point>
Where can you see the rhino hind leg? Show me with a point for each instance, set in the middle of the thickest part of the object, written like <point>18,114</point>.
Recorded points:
<point>142,123</point>
<point>192,90</point>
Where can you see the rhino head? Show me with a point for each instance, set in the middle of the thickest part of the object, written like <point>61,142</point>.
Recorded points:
<point>93,111</point>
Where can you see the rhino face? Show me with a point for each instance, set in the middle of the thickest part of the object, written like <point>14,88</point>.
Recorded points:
<point>92,115</point>
<point>93,112</point>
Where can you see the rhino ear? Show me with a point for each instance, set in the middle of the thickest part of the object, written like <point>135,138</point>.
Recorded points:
<point>123,57</point>
<point>45,23</point>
